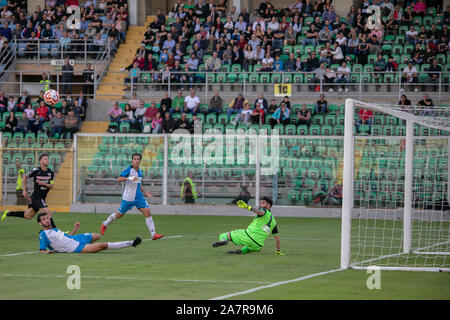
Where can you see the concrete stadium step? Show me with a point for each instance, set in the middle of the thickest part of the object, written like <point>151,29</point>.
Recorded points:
<point>61,195</point>
<point>122,58</point>
<point>94,127</point>
<point>54,208</point>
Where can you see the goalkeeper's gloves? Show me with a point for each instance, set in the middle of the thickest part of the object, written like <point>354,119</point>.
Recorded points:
<point>241,204</point>
<point>279,253</point>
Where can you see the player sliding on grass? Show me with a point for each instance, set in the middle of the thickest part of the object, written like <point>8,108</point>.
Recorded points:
<point>54,240</point>
<point>43,178</point>
<point>257,232</point>
<point>133,197</point>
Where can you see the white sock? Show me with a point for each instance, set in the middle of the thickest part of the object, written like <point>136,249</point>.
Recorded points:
<point>150,226</point>
<point>119,245</point>
<point>110,219</point>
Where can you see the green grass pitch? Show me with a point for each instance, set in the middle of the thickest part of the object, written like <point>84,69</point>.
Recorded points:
<point>187,267</point>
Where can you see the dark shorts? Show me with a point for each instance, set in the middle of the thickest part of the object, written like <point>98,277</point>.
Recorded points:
<point>37,202</point>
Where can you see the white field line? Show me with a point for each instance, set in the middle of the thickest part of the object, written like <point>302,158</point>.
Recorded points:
<point>275,284</point>
<point>128,278</point>
<point>18,254</point>
<point>31,252</point>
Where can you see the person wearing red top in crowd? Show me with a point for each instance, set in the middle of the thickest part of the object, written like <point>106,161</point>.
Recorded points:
<point>72,3</point>
<point>150,113</point>
<point>365,117</point>
<point>257,116</point>
<point>42,112</point>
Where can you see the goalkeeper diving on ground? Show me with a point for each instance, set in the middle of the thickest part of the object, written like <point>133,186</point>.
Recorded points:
<point>253,238</point>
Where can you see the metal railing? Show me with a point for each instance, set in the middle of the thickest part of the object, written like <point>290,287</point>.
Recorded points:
<point>19,83</point>
<point>44,50</point>
<point>360,84</point>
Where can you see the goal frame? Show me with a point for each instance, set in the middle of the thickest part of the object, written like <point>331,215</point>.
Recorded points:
<point>348,187</point>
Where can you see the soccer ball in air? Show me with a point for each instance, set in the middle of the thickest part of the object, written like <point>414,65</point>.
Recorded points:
<point>51,97</point>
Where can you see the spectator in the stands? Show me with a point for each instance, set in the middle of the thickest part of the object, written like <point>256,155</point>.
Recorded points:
<point>10,123</point>
<point>257,116</point>
<point>343,76</point>
<point>243,116</point>
<point>115,113</point>
<point>191,103</point>
<point>57,125</point>
<point>156,123</point>
<point>22,102</point>
<point>262,101</point>
<point>321,105</point>
<point>280,116</point>
<point>410,75</point>
<point>80,112</point>
<point>150,113</point>
<point>215,104</point>
<point>304,116</point>
<point>139,115</point>
<point>71,123</point>
<point>364,117</point>
<point>168,123</point>
<point>426,105</point>
<point>404,103</point>
<point>183,122</point>
<point>236,105</point>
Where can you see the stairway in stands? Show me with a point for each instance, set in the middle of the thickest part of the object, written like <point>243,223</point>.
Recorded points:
<point>123,58</point>
<point>60,198</point>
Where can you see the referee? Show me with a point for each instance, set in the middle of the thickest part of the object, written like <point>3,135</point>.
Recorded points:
<point>43,181</point>
<point>21,200</point>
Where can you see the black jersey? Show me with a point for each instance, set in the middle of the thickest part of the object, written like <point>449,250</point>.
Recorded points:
<point>47,176</point>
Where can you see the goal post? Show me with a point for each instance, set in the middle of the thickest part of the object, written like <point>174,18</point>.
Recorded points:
<point>395,207</point>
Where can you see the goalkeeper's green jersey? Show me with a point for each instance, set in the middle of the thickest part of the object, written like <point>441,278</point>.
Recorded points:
<point>261,227</point>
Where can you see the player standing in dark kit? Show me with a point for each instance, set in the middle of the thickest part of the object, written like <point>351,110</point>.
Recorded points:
<point>43,179</point>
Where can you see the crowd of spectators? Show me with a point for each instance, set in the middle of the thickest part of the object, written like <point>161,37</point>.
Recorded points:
<point>101,22</point>
<point>183,111</point>
<point>177,46</point>
<point>61,121</point>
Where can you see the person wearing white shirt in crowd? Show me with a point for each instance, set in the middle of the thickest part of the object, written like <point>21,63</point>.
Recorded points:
<point>343,76</point>
<point>191,103</point>
<point>297,25</point>
<point>241,25</point>
<point>254,42</point>
<point>234,13</point>
<point>258,54</point>
<point>338,55</point>
<point>273,24</point>
<point>410,75</point>
<point>229,24</point>
<point>259,22</point>
<point>244,115</point>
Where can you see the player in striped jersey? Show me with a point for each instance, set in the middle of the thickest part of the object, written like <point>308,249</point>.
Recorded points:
<point>133,196</point>
<point>53,240</point>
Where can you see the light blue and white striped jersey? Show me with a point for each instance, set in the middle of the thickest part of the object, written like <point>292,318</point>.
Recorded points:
<point>55,239</point>
<point>132,190</point>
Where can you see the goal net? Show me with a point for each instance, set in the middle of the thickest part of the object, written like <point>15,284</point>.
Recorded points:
<point>395,212</point>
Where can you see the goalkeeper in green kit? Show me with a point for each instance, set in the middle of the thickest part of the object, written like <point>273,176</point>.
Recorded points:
<point>254,236</point>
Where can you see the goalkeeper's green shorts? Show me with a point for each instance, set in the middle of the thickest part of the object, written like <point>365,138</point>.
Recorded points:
<point>240,238</point>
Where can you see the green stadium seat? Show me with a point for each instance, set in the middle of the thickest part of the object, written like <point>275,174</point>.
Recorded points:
<point>314,130</point>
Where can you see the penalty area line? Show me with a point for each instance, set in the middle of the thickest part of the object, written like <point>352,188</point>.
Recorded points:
<point>17,254</point>
<point>276,284</point>
<point>10,275</point>
<point>31,252</point>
